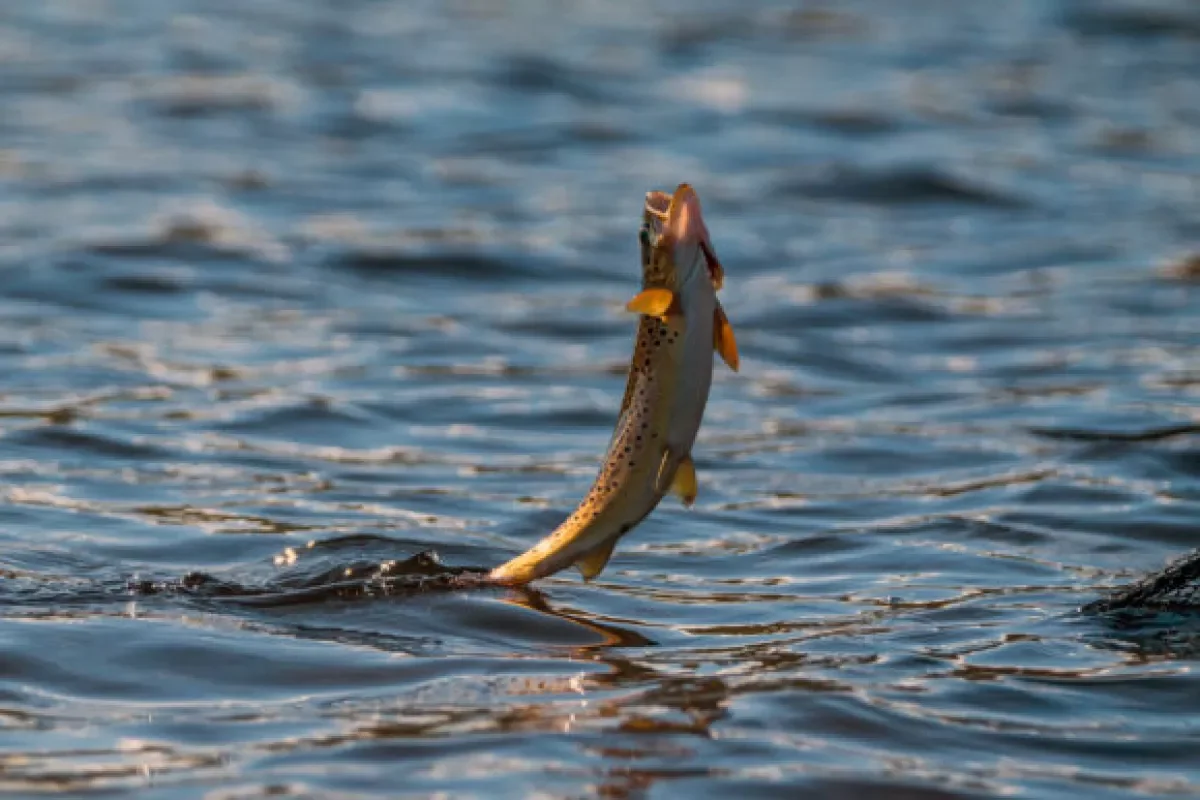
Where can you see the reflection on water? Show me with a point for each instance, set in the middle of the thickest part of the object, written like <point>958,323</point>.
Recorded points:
<point>312,313</point>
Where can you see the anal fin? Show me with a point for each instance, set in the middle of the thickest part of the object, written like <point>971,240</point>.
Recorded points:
<point>684,482</point>
<point>653,303</point>
<point>592,562</point>
<point>723,341</point>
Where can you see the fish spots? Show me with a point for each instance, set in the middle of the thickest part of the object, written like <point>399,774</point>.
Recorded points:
<point>635,442</point>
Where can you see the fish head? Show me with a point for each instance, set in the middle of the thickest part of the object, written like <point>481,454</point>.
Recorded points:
<point>676,247</point>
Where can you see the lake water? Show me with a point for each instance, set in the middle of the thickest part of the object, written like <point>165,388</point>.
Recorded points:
<point>310,309</point>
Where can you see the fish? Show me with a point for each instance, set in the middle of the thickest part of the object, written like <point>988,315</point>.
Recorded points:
<point>650,454</point>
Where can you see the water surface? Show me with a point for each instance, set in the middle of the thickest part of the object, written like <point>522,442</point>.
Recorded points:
<point>311,309</point>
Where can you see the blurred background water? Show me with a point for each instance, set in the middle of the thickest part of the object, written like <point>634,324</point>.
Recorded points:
<point>309,306</point>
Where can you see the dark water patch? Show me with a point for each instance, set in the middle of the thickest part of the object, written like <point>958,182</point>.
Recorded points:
<point>82,441</point>
<point>1183,464</point>
<point>352,125</point>
<point>205,95</point>
<point>689,37</point>
<point>563,419</point>
<point>396,264</point>
<point>855,122</point>
<point>538,74</point>
<point>830,787</point>
<point>152,284</point>
<point>106,182</point>
<point>1130,437</point>
<point>183,245</point>
<point>899,186</point>
<point>822,357</point>
<point>1051,110</point>
<point>1124,19</point>
<point>577,330</point>
<point>167,249</point>
<point>1176,587</point>
<point>316,419</point>
<point>821,23</point>
<point>600,132</point>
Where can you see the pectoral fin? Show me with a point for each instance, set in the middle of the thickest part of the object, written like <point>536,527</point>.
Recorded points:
<point>592,562</point>
<point>723,341</point>
<point>652,303</point>
<point>684,482</point>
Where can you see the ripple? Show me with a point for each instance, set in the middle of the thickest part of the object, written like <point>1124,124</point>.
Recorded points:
<point>899,186</point>
<point>1133,20</point>
<point>82,441</point>
<point>312,315</point>
<point>396,264</point>
<point>192,232</point>
<point>205,95</point>
<point>1176,587</point>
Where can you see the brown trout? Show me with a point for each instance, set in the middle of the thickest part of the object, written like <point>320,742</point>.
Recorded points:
<point>669,377</point>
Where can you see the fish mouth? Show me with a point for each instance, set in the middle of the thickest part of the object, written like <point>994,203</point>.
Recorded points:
<point>654,214</point>
<point>661,208</point>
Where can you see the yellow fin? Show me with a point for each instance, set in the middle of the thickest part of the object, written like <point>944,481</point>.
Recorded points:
<point>592,562</point>
<point>723,341</point>
<point>652,303</point>
<point>684,482</point>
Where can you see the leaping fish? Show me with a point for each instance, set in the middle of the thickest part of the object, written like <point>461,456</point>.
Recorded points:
<point>669,377</point>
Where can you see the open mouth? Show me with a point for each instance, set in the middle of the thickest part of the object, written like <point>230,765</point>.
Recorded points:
<point>654,219</point>
<point>658,211</point>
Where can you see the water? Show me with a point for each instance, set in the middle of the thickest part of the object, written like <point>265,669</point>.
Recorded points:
<point>312,310</point>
